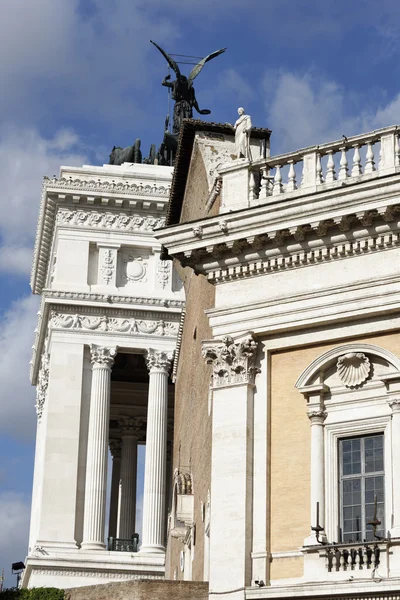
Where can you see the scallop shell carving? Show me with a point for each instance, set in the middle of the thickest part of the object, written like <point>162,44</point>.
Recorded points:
<point>353,368</point>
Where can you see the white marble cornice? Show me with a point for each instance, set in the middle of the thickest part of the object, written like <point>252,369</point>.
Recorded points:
<point>115,299</point>
<point>322,217</point>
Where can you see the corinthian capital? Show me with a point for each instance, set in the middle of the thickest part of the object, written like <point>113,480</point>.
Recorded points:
<point>131,426</point>
<point>317,416</point>
<point>102,356</point>
<point>157,360</point>
<point>232,362</point>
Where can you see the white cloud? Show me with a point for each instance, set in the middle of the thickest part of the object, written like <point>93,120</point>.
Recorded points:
<point>16,393</point>
<point>14,519</point>
<point>306,109</point>
<point>25,156</point>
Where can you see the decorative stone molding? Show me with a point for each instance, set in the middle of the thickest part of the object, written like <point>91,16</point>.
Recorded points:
<point>102,356</point>
<point>164,268</point>
<point>42,384</point>
<point>317,416</point>
<point>107,267</point>
<point>353,368</point>
<point>99,186</point>
<point>107,324</point>
<point>157,360</point>
<point>115,447</point>
<point>108,220</point>
<point>394,404</point>
<point>134,269</point>
<point>232,362</point>
<point>131,425</point>
<point>122,575</point>
<point>113,298</point>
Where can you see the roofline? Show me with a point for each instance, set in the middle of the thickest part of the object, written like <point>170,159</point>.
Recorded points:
<point>187,134</point>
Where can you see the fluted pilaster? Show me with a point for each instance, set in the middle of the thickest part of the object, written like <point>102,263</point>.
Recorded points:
<point>131,429</point>
<point>97,450</point>
<point>159,364</point>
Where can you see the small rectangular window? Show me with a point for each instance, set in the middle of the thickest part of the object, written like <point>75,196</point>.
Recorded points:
<point>361,485</point>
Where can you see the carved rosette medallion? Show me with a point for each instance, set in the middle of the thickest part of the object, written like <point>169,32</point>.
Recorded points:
<point>159,360</point>
<point>132,426</point>
<point>42,384</point>
<point>102,357</point>
<point>353,368</point>
<point>232,362</point>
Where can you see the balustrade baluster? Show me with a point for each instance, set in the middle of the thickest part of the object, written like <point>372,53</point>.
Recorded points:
<point>330,173</point>
<point>356,170</point>
<point>370,163</point>
<point>334,561</point>
<point>343,171</point>
<point>396,150</point>
<point>252,186</point>
<point>319,178</point>
<point>357,560</point>
<point>342,561</point>
<point>264,190</point>
<point>291,186</point>
<point>278,187</point>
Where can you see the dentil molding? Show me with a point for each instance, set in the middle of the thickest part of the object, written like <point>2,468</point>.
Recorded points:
<point>113,298</point>
<point>232,362</point>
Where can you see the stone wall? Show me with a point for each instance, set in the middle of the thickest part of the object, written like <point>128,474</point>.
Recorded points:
<point>141,590</point>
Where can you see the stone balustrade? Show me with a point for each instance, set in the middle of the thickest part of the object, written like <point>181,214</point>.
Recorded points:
<point>350,557</point>
<point>312,169</point>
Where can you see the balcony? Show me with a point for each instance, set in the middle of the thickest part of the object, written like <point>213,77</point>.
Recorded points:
<point>124,545</point>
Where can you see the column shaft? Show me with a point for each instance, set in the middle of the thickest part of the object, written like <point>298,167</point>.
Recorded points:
<point>127,509</point>
<point>317,491</point>
<point>115,447</point>
<point>395,406</point>
<point>156,450</point>
<point>97,451</point>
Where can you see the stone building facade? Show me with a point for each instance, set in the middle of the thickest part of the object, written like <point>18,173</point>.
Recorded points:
<point>287,411</point>
<point>103,356</point>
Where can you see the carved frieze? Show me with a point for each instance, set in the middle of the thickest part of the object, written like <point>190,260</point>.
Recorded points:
<point>108,324</point>
<point>108,220</point>
<point>232,362</point>
<point>42,384</point>
<point>353,368</point>
<point>113,298</point>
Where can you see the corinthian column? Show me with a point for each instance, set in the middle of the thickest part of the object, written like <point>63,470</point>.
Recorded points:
<point>159,364</point>
<point>131,429</point>
<point>97,448</point>
<point>115,448</point>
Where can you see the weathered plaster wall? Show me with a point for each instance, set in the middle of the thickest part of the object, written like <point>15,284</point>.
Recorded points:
<point>192,383</point>
<point>141,590</point>
<point>290,451</point>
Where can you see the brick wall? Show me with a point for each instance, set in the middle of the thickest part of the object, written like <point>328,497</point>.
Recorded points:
<point>141,590</point>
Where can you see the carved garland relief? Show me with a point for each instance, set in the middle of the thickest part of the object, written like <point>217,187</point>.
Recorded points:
<point>108,220</point>
<point>112,324</point>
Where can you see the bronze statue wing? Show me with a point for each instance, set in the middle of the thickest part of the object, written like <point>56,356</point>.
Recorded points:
<point>167,57</point>
<point>196,70</point>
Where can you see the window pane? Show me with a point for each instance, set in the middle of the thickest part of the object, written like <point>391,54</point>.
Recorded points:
<point>362,487</point>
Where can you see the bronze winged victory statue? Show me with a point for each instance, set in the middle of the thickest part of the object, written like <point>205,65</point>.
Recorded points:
<point>182,89</point>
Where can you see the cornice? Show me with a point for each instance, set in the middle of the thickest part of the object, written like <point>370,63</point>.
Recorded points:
<point>113,299</point>
<point>282,229</point>
<point>101,204</point>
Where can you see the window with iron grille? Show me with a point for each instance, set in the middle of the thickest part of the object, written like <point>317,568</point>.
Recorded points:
<point>361,463</point>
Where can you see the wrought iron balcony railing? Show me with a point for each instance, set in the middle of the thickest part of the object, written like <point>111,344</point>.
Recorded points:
<point>124,545</point>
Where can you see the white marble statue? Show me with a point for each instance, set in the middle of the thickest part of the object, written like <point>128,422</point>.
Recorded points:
<point>242,135</point>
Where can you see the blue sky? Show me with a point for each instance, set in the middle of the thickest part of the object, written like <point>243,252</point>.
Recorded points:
<point>78,76</point>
